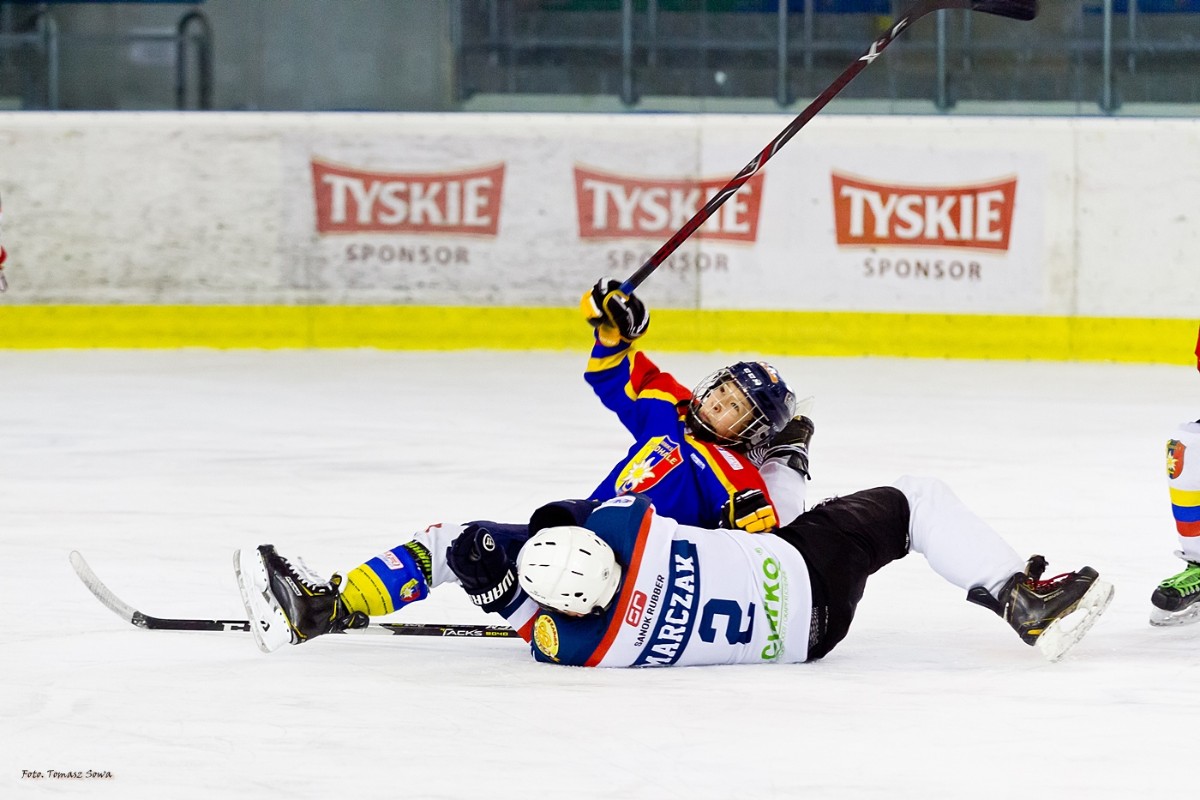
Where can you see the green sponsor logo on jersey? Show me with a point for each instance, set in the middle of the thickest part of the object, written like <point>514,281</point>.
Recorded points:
<point>773,606</point>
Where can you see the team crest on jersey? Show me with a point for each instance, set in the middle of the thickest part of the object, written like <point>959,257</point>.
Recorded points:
<point>410,591</point>
<point>1175,450</point>
<point>650,465</point>
<point>545,636</point>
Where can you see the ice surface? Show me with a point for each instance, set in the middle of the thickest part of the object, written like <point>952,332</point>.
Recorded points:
<point>157,465</point>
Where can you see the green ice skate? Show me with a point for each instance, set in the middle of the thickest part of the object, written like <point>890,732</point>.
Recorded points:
<point>1175,599</point>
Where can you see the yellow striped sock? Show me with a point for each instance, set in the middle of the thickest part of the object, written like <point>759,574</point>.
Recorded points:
<point>364,591</point>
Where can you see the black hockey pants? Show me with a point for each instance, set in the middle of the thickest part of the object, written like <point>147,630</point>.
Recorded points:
<point>844,541</point>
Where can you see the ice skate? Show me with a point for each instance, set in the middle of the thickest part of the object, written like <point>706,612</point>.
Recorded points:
<point>288,603</point>
<point>1175,599</point>
<point>1052,614</point>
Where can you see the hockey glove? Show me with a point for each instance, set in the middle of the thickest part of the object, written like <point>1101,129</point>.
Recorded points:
<point>749,510</point>
<point>483,568</point>
<point>791,445</point>
<point>617,317</point>
<point>562,512</point>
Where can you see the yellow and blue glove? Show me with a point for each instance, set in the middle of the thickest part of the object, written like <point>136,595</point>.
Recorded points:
<point>616,316</point>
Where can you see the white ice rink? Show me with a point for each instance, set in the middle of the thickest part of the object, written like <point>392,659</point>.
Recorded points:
<point>157,465</point>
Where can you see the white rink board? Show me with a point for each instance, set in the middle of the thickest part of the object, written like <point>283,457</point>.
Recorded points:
<point>523,210</point>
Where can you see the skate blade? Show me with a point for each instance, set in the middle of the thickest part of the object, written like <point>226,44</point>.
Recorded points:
<point>1173,619</point>
<point>1066,631</point>
<point>267,621</point>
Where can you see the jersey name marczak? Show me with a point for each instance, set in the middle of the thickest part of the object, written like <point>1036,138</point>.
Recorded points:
<point>674,627</point>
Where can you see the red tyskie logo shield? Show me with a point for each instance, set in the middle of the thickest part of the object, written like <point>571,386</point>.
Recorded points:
<point>353,200</point>
<point>614,206</point>
<point>977,216</point>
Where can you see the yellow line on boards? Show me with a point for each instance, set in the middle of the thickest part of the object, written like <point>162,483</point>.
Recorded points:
<point>798,333</point>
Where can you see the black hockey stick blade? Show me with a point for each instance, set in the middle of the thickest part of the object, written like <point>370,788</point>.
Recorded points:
<point>142,620</point>
<point>1013,9</point>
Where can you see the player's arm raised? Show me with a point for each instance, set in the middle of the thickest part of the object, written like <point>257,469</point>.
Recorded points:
<point>619,374</point>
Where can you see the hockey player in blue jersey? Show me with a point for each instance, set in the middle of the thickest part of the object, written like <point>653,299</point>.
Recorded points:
<point>620,586</point>
<point>692,451</point>
<point>696,456</point>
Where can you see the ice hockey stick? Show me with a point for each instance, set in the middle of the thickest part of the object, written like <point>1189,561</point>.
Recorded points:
<point>143,620</point>
<point>1013,9</point>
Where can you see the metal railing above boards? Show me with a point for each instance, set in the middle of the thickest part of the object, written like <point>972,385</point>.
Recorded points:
<point>37,38</point>
<point>1079,55</point>
<point>32,32</point>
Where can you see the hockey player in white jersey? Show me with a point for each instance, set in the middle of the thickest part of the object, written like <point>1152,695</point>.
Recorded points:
<point>619,586</point>
<point>407,573</point>
<point>1176,600</point>
<point>707,457</point>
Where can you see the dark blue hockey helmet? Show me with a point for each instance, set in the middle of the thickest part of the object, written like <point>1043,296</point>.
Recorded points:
<point>772,405</point>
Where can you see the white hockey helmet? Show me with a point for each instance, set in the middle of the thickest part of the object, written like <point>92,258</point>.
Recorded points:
<point>569,569</point>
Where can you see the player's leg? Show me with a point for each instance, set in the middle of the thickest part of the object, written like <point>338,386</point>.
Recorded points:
<point>1177,599</point>
<point>843,542</point>
<point>402,575</point>
<point>290,604</point>
<point>405,574</point>
<point>1052,614</point>
<point>958,545</point>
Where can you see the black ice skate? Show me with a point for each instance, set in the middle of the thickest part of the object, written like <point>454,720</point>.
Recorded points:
<point>287,602</point>
<point>1176,600</point>
<point>1051,614</point>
